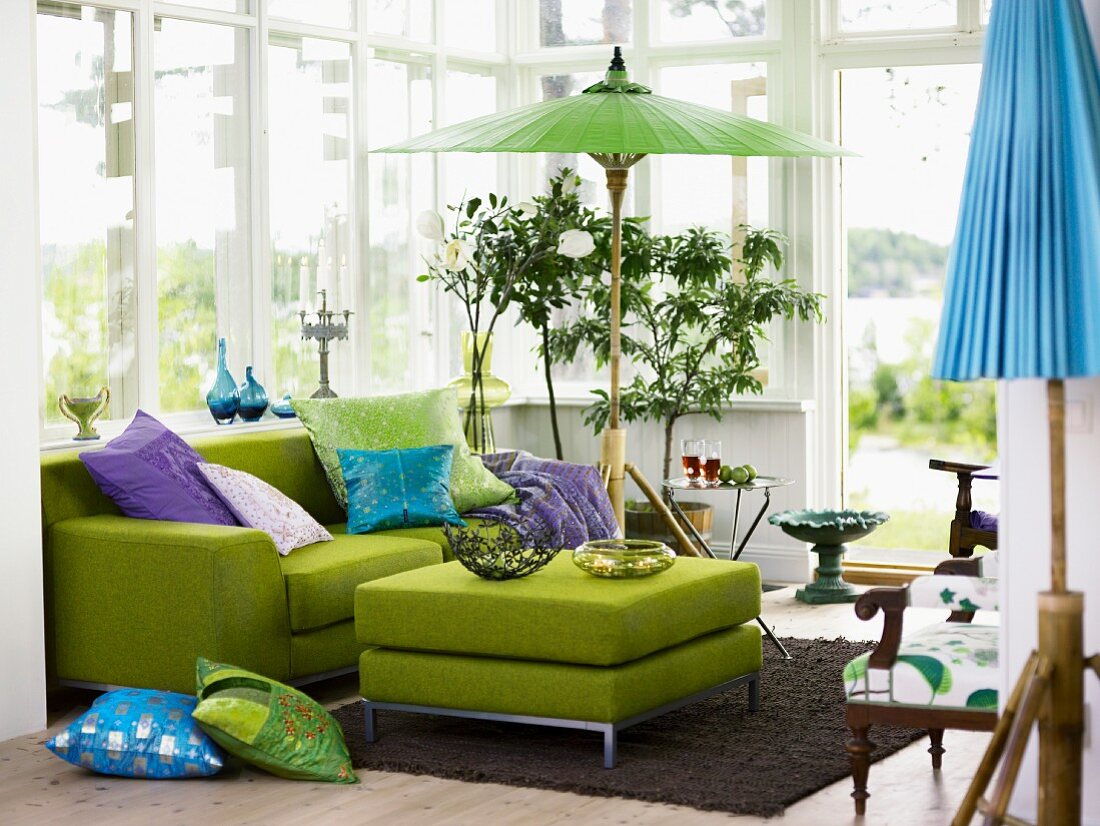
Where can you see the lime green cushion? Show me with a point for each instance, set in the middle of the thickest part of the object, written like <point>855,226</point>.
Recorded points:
<point>402,421</point>
<point>433,534</point>
<point>572,692</point>
<point>270,725</point>
<point>321,578</point>
<point>560,613</point>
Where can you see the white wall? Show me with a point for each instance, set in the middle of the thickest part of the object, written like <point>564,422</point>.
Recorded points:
<point>22,674</point>
<point>1025,526</point>
<point>773,436</point>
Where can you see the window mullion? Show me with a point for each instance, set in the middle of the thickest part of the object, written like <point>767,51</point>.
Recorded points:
<point>145,276</point>
<point>263,346</point>
<point>360,263</point>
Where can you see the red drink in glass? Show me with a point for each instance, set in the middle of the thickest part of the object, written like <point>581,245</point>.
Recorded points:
<point>710,471</point>
<point>692,467</point>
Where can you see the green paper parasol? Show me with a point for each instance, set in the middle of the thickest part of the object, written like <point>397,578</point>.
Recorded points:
<point>618,123</point>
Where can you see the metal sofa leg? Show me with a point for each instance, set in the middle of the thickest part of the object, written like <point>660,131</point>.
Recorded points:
<point>369,721</point>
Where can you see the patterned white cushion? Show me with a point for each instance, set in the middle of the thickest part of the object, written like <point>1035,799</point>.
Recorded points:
<point>256,504</point>
<point>947,665</point>
<point>954,593</point>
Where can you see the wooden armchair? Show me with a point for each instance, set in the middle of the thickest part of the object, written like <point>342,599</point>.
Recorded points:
<point>940,677</point>
<point>965,538</point>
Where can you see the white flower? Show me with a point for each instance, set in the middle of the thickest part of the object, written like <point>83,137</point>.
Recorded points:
<point>527,209</point>
<point>575,243</point>
<point>455,255</point>
<point>430,224</point>
<point>569,184</point>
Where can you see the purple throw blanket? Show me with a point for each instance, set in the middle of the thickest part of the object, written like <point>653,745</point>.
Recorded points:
<point>559,498</point>
<point>983,521</point>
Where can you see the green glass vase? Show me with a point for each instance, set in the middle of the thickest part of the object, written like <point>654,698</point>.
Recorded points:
<point>479,391</point>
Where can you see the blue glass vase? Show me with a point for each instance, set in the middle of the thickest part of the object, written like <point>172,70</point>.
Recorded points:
<point>222,398</point>
<point>253,397</point>
<point>282,409</point>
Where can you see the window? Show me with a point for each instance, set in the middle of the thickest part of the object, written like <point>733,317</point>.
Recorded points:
<point>202,122</point>
<point>209,181</point>
<point>86,192</point>
<point>401,187</point>
<point>872,15</point>
<point>582,22</point>
<point>911,126</point>
<point>309,109</point>
<point>694,20</point>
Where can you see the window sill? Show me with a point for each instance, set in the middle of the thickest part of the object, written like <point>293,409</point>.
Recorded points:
<point>747,405</point>
<point>182,425</point>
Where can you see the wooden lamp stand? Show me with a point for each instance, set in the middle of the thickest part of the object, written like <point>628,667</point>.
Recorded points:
<point>1050,689</point>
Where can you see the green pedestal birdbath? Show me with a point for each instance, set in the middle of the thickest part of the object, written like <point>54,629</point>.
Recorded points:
<point>828,530</point>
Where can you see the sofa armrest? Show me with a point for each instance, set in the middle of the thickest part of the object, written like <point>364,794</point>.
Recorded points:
<point>134,602</point>
<point>892,602</point>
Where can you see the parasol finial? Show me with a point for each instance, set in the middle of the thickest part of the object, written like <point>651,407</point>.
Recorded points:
<point>617,62</point>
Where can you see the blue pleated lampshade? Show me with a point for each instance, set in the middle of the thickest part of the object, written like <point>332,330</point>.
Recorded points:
<point>1023,281</point>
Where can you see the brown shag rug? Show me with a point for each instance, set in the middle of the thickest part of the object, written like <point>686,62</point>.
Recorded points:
<point>713,755</point>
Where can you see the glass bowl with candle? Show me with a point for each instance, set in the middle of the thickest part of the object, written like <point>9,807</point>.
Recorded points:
<point>624,558</point>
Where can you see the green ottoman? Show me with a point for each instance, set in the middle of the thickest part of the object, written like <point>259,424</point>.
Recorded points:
<point>560,647</point>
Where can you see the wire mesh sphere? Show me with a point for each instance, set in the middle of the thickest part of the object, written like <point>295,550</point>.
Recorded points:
<point>498,551</point>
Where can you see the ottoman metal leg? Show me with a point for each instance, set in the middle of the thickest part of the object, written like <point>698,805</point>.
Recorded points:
<point>754,694</point>
<point>610,747</point>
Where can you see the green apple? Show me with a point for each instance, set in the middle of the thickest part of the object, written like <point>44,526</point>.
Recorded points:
<point>751,471</point>
<point>739,475</point>
<point>725,473</point>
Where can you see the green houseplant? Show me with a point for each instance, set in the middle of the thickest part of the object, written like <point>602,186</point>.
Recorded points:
<point>691,327</point>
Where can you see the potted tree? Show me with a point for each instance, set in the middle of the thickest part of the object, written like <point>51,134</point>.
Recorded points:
<point>691,327</point>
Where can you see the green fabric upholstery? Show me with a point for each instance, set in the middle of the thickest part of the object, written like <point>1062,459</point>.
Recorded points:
<point>283,458</point>
<point>429,535</point>
<point>562,690</point>
<point>134,602</point>
<point>321,578</point>
<point>559,614</point>
<point>332,648</point>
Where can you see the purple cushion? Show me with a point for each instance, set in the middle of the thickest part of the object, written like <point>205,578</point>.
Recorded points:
<point>151,473</point>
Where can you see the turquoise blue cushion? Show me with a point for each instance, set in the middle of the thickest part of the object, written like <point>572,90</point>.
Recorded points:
<point>390,489</point>
<point>137,732</point>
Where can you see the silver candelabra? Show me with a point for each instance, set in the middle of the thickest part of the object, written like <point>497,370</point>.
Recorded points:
<point>324,330</point>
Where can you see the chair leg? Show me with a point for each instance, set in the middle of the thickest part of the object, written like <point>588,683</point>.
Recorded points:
<point>936,749</point>
<point>859,751</point>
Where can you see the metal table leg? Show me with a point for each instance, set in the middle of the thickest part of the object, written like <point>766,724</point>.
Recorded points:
<point>733,555</point>
<point>683,518</point>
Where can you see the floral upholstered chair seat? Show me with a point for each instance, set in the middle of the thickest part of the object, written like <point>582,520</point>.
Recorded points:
<point>948,665</point>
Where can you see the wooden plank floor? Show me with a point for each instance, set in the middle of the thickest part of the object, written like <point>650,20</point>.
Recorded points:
<point>36,787</point>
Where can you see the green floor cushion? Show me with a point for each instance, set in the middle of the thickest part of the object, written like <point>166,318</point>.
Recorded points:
<point>560,690</point>
<point>401,421</point>
<point>321,579</point>
<point>559,614</point>
<point>270,725</point>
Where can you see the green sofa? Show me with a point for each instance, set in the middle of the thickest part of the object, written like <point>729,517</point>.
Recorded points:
<point>133,602</point>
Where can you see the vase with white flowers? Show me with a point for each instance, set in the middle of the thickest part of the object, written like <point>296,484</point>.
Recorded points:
<point>490,246</point>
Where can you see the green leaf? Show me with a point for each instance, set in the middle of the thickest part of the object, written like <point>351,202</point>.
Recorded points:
<point>856,670</point>
<point>935,673</point>
<point>982,698</point>
<point>423,278</point>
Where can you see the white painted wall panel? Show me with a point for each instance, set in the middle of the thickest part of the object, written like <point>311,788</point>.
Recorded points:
<point>22,674</point>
